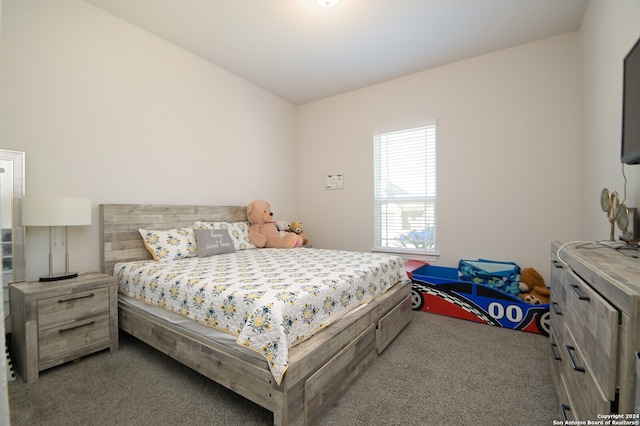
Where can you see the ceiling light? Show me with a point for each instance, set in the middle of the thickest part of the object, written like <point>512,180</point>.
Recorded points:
<point>327,3</point>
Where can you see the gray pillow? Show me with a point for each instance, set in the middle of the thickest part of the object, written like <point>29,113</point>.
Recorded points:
<point>211,242</point>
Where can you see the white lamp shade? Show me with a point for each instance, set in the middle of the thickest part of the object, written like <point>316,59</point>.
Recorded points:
<point>56,211</point>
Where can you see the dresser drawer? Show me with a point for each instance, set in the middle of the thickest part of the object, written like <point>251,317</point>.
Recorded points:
<point>595,319</point>
<point>590,400</point>
<point>594,330</point>
<point>556,355</point>
<point>72,340</point>
<point>558,293</point>
<point>567,410</point>
<point>60,310</point>
<point>557,376</point>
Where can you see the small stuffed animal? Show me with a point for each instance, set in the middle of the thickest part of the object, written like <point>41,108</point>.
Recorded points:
<point>296,227</point>
<point>532,286</point>
<point>263,231</point>
<point>283,226</point>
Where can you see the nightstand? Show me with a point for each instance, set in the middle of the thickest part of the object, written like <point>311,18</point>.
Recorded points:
<point>59,321</point>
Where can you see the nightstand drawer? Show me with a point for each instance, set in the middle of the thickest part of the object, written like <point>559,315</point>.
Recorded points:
<point>55,311</point>
<point>72,340</point>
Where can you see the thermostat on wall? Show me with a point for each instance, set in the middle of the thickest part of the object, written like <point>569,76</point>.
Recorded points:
<point>334,181</point>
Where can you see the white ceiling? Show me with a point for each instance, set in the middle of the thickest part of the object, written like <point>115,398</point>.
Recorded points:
<point>302,52</point>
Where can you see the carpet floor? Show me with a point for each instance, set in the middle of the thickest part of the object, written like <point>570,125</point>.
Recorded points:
<point>439,371</point>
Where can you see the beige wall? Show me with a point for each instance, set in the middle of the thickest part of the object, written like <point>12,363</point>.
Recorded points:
<point>107,111</point>
<point>609,30</point>
<point>508,153</point>
<point>527,137</point>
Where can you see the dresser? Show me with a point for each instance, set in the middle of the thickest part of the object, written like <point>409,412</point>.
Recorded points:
<point>60,321</point>
<point>595,298</point>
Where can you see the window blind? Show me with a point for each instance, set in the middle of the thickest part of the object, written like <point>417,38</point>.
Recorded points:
<point>405,190</point>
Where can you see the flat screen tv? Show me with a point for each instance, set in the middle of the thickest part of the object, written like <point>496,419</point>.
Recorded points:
<point>631,107</point>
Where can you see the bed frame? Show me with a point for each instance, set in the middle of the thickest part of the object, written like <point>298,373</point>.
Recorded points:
<point>320,369</point>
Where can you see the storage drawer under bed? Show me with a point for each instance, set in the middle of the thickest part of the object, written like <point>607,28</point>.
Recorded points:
<point>325,386</point>
<point>392,323</point>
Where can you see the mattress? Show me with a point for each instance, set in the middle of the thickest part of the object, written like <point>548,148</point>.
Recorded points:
<point>269,300</point>
<point>178,321</point>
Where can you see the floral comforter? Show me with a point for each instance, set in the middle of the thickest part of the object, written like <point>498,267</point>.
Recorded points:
<point>271,299</point>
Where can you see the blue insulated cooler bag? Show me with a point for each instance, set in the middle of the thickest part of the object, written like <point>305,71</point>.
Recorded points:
<point>503,276</point>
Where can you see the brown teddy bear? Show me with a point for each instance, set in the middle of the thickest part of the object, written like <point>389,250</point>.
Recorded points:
<point>263,231</point>
<point>297,228</point>
<point>532,287</point>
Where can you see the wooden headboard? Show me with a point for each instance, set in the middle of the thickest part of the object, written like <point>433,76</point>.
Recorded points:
<point>120,240</point>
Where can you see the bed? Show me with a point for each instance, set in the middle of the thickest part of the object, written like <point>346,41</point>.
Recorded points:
<point>301,380</point>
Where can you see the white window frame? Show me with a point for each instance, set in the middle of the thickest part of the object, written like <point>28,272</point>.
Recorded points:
<point>394,234</point>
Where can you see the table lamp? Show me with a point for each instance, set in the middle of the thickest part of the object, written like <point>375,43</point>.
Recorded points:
<point>52,212</point>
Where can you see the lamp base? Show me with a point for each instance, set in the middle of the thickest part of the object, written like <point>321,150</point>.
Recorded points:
<point>59,277</point>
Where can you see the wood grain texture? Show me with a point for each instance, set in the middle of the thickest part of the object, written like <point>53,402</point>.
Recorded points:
<point>593,325</point>
<point>120,238</point>
<point>391,324</point>
<point>320,368</point>
<point>595,297</point>
<point>324,387</point>
<point>56,322</point>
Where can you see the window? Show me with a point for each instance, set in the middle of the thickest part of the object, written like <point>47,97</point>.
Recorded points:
<point>405,190</point>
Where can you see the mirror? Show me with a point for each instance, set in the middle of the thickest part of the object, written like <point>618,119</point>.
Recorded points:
<point>11,229</point>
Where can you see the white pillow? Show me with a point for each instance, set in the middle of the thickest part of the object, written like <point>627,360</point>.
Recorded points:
<point>170,244</point>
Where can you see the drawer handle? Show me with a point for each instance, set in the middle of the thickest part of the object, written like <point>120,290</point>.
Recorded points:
<point>557,264</point>
<point>565,408</point>
<point>555,308</point>
<point>574,289</point>
<point>75,298</point>
<point>64,330</point>
<point>553,352</point>
<point>575,366</point>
